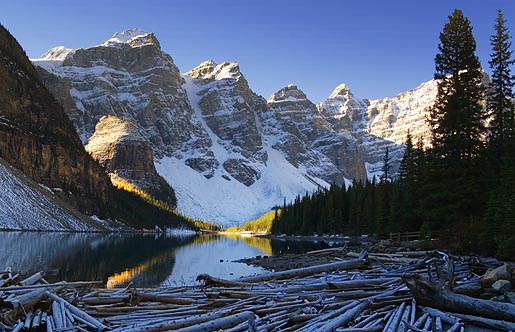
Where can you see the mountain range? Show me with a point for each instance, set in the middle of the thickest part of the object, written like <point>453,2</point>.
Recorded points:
<point>207,142</point>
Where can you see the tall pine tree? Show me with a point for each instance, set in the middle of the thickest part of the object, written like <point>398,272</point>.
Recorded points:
<point>499,225</point>
<point>457,117</point>
<point>500,94</point>
<point>454,197</point>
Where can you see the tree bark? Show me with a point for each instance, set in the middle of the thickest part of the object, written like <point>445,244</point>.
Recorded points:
<point>430,295</point>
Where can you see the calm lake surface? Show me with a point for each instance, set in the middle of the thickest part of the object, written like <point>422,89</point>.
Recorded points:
<point>146,260</point>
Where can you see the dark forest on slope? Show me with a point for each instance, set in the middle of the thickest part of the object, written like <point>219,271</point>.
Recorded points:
<point>461,187</point>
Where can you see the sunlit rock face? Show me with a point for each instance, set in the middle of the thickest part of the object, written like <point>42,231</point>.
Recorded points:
<point>295,127</point>
<point>125,154</point>
<point>228,107</point>
<point>378,124</point>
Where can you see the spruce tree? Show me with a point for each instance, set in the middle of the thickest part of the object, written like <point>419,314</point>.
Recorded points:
<point>499,225</point>
<point>453,191</point>
<point>406,166</point>
<point>500,94</point>
<point>457,117</point>
<point>385,169</point>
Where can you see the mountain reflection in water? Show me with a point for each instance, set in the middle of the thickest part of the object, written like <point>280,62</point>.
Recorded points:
<point>144,260</point>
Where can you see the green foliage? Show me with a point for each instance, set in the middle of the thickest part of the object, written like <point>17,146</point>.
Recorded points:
<point>261,225</point>
<point>141,209</point>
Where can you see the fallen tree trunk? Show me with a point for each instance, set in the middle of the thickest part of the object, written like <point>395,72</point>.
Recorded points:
<point>426,293</point>
<point>224,323</point>
<point>358,263</point>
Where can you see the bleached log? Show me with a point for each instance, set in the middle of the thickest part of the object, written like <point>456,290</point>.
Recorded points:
<point>50,324</point>
<point>428,324</point>
<point>345,317</point>
<point>318,321</point>
<point>76,311</point>
<point>430,295</point>
<point>32,279</point>
<point>371,318</point>
<point>53,285</point>
<point>446,317</point>
<point>24,302</point>
<point>106,300</point>
<point>361,329</point>
<point>57,316</point>
<point>28,320</point>
<point>438,325</point>
<point>36,320</point>
<point>455,327</point>
<point>18,327</point>
<point>363,283</point>
<point>392,325</point>
<point>307,271</point>
<point>404,319</point>
<point>212,281</point>
<point>142,297</point>
<point>172,324</point>
<point>221,323</point>
<point>490,323</point>
<point>384,258</point>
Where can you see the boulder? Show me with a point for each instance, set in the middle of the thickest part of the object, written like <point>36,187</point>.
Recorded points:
<point>501,286</point>
<point>502,272</point>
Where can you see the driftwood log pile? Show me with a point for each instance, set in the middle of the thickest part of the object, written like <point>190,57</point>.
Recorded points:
<point>413,291</point>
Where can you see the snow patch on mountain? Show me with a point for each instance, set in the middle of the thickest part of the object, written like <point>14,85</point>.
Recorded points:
<point>226,201</point>
<point>52,58</point>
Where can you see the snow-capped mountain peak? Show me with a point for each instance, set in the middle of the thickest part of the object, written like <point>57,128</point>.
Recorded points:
<point>134,37</point>
<point>52,58</point>
<point>289,93</point>
<point>341,90</point>
<point>210,71</point>
<point>56,53</point>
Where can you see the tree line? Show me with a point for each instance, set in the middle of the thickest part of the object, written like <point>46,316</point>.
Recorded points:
<point>461,185</point>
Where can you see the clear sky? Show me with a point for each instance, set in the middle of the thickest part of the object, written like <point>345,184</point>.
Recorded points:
<point>378,48</point>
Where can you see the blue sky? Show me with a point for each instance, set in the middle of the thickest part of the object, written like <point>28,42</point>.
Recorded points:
<point>379,48</point>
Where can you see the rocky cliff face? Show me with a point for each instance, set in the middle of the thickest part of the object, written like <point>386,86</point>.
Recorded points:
<point>382,123</point>
<point>293,125</point>
<point>228,107</point>
<point>119,147</point>
<point>228,153</point>
<point>37,137</point>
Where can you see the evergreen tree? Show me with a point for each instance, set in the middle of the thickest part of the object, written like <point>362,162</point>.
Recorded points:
<point>500,94</point>
<point>457,118</point>
<point>406,166</point>
<point>385,169</point>
<point>499,226</point>
<point>403,217</point>
<point>453,190</point>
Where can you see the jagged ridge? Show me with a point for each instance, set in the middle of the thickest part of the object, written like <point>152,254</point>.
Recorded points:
<point>223,148</point>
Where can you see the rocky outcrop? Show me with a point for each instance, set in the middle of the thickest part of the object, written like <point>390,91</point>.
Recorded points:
<point>294,126</point>
<point>119,147</point>
<point>128,76</point>
<point>37,137</point>
<point>380,124</point>
<point>228,107</point>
